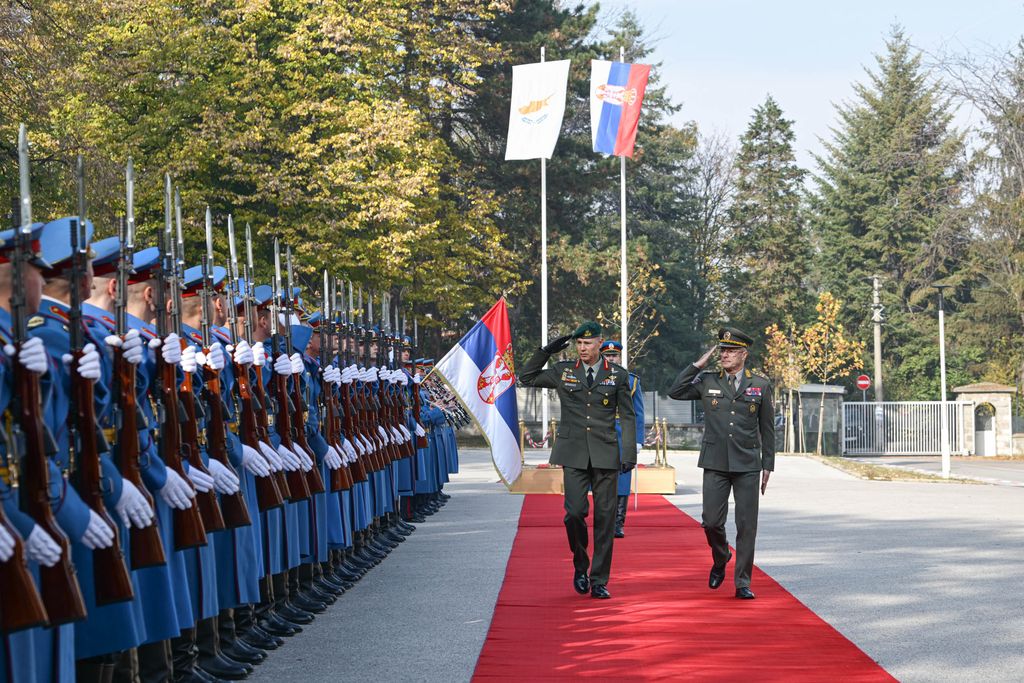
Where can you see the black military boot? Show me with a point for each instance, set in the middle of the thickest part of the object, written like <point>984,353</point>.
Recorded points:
<point>620,517</point>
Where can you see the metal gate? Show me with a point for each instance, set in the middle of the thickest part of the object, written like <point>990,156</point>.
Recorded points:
<point>902,428</point>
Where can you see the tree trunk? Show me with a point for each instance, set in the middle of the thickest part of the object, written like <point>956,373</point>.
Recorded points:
<point>821,423</point>
<point>790,441</point>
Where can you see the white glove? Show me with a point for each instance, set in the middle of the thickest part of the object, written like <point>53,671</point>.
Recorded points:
<point>370,375</point>
<point>98,534</point>
<point>348,374</point>
<point>273,459</point>
<point>297,366</point>
<point>405,432</point>
<point>259,355</point>
<point>350,452</point>
<point>214,359</point>
<point>132,507</point>
<point>419,430</point>
<point>306,462</point>
<point>189,361</point>
<point>254,462</point>
<point>6,544</point>
<point>283,365</point>
<point>383,435</point>
<point>201,480</point>
<point>417,378</point>
<point>332,459</point>
<point>88,364</point>
<point>332,374</point>
<point>403,378</point>
<point>176,492</point>
<point>131,346</point>
<point>170,348</point>
<point>289,460</point>
<point>32,355</point>
<point>396,435</point>
<point>367,446</point>
<point>243,353</point>
<point>224,480</point>
<point>41,548</point>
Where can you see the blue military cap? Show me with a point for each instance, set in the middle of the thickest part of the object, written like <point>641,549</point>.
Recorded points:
<point>143,263</point>
<point>301,334</point>
<point>106,255</point>
<point>315,319</point>
<point>262,294</point>
<point>55,243</point>
<point>192,280</point>
<point>611,347</point>
<point>407,340</point>
<point>7,245</point>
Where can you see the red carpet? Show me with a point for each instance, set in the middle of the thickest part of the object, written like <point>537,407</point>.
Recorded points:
<point>662,622</point>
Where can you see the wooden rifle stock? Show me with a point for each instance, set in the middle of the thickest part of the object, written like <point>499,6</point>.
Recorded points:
<point>297,484</point>
<point>145,548</point>
<point>263,427</point>
<point>189,531</point>
<point>209,510</point>
<point>421,441</point>
<point>236,512</point>
<point>358,470</point>
<point>268,496</point>
<point>313,478</point>
<point>111,580</point>
<point>20,604</point>
<point>341,479</point>
<point>62,596</point>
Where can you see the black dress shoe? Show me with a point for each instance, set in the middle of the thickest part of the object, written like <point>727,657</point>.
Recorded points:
<point>744,593</point>
<point>240,652</point>
<point>224,669</point>
<point>619,533</point>
<point>276,625</point>
<point>717,575</point>
<point>258,639</point>
<point>599,591</point>
<point>581,582</point>
<point>200,676</point>
<point>295,615</point>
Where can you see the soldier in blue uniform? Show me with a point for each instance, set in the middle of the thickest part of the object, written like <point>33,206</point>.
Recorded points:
<point>612,350</point>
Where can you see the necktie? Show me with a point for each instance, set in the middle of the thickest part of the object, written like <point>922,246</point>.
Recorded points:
<point>590,377</point>
<point>735,379</point>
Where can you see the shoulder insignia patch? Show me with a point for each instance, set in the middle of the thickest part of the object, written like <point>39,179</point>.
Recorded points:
<point>760,373</point>
<point>35,321</point>
<point>59,313</point>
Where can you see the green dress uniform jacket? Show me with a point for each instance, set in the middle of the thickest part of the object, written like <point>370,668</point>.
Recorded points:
<point>586,435</point>
<point>739,425</point>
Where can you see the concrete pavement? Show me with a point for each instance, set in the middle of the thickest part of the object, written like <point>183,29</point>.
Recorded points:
<point>1003,472</point>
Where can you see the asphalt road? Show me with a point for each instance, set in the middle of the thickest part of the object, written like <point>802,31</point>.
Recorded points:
<point>1005,472</point>
<point>925,577</point>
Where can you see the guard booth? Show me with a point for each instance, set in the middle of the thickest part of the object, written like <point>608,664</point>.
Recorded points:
<point>808,408</point>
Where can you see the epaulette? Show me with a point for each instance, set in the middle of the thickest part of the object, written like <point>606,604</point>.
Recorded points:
<point>35,321</point>
<point>760,373</point>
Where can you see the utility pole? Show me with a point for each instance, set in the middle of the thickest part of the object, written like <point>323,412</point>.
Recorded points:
<point>876,318</point>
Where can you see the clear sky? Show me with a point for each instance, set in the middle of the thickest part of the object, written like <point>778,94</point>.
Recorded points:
<point>720,58</point>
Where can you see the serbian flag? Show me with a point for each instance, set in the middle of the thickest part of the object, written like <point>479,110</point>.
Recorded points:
<point>480,371</point>
<point>616,92</point>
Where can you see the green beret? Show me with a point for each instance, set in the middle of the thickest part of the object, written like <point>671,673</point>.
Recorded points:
<point>587,330</point>
<point>731,338</point>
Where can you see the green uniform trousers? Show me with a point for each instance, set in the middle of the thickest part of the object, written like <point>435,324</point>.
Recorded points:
<point>745,488</point>
<point>603,483</point>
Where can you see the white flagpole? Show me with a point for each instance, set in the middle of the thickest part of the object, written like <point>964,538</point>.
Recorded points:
<point>623,309</point>
<point>545,407</point>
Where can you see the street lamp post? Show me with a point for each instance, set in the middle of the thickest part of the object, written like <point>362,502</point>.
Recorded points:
<point>944,417</point>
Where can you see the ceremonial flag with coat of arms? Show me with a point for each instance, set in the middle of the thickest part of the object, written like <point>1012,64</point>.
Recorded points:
<point>616,93</point>
<point>481,371</point>
<point>538,105</point>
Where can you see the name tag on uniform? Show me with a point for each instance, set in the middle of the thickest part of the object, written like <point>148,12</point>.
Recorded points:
<point>753,391</point>
<point>715,392</point>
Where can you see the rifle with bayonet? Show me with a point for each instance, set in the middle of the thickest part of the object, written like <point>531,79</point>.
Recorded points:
<point>145,547</point>
<point>189,530</point>
<point>417,406</point>
<point>350,407</point>
<point>329,418</point>
<point>367,423</point>
<point>209,509</point>
<point>297,483</point>
<point>232,505</point>
<point>313,478</point>
<point>61,594</point>
<point>111,580</point>
<point>268,495</point>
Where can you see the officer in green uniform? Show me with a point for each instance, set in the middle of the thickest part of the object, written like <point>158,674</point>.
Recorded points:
<point>738,451</point>
<point>591,390</point>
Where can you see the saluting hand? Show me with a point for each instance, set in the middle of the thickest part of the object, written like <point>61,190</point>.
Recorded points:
<point>703,361</point>
<point>557,345</point>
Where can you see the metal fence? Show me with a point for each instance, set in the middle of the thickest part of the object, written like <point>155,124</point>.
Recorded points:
<point>902,428</point>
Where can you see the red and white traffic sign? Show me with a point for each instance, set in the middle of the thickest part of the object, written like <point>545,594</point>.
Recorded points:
<point>863,382</point>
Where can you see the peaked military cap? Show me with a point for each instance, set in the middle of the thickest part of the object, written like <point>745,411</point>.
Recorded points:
<point>611,347</point>
<point>193,280</point>
<point>7,245</point>
<point>55,243</point>
<point>587,330</point>
<point>262,294</point>
<point>315,319</point>
<point>106,255</point>
<point>731,338</point>
<point>144,262</point>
